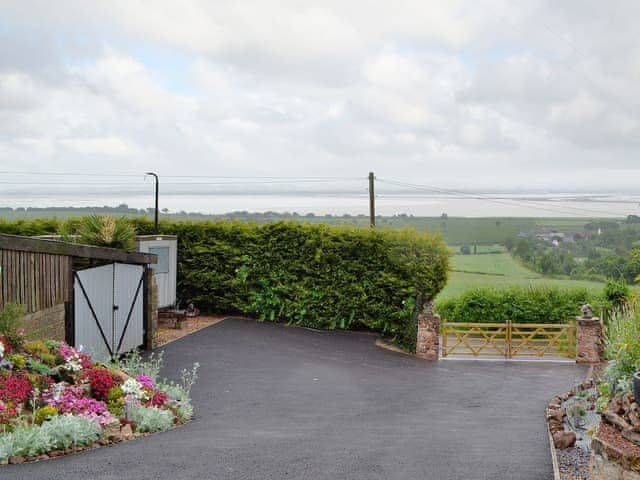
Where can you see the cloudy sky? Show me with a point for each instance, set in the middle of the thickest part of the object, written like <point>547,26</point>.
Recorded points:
<point>464,94</point>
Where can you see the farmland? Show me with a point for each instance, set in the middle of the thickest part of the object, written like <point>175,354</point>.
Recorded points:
<point>488,264</point>
<point>454,230</point>
<point>500,270</point>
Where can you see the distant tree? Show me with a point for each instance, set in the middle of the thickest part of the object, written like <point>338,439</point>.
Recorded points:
<point>465,250</point>
<point>498,223</point>
<point>508,243</point>
<point>444,216</point>
<point>475,249</point>
<point>633,219</point>
<point>165,210</point>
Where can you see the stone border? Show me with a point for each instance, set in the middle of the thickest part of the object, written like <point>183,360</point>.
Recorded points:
<point>552,446</point>
<point>554,456</point>
<point>87,448</point>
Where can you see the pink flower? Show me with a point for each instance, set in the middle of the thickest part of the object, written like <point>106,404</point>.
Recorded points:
<point>21,332</point>
<point>72,399</point>
<point>145,380</point>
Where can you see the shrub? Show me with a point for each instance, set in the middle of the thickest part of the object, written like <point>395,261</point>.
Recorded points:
<point>11,324</point>
<point>59,432</point>
<point>38,367</point>
<point>17,360</point>
<point>623,349</point>
<point>107,231</point>
<point>311,275</point>
<point>115,402</point>
<point>68,431</point>
<point>151,419</point>
<point>616,292</point>
<point>135,365</point>
<point>101,382</point>
<point>14,389</point>
<point>43,413</point>
<point>36,347</point>
<point>520,305</point>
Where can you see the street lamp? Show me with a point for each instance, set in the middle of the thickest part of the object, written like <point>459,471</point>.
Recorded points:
<point>155,218</point>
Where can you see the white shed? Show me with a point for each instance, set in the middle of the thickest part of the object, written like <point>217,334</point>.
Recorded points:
<point>166,269</point>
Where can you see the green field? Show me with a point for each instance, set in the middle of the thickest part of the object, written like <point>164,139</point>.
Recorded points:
<point>500,270</point>
<point>454,230</point>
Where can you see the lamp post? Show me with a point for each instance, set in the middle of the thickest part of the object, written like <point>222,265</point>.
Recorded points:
<point>155,218</point>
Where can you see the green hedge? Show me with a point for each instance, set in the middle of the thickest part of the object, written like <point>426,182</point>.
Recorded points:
<point>520,305</point>
<point>309,275</point>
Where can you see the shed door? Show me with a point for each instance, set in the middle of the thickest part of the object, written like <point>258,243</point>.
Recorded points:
<point>108,309</point>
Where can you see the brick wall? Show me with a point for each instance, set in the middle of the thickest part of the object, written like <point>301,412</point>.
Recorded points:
<point>590,341</point>
<point>151,320</point>
<point>46,324</point>
<point>428,338</point>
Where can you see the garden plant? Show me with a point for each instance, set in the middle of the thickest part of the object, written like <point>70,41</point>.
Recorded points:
<point>54,399</point>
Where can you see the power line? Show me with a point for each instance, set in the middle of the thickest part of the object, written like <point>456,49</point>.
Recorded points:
<point>110,184</point>
<point>479,196</point>
<point>247,177</point>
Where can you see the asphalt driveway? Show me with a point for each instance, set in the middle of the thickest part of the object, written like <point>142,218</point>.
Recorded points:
<point>289,403</point>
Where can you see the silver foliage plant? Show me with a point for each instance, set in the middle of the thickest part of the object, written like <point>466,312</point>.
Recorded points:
<point>151,419</point>
<point>180,393</point>
<point>60,432</point>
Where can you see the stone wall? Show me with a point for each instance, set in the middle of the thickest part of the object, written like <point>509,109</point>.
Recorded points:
<point>428,338</point>
<point>609,463</point>
<point>46,324</point>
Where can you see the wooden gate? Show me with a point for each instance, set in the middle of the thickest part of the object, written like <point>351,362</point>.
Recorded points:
<point>509,340</point>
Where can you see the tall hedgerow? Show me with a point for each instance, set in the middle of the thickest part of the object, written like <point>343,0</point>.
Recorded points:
<point>325,277</point>
<point>519,304</point>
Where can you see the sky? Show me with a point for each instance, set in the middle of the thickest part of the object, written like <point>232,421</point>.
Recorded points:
<point>484,94</point>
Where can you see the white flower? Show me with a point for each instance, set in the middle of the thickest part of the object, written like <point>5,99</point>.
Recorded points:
<point>73,363</point>
<point>1,350</point>
<point>133,388</point>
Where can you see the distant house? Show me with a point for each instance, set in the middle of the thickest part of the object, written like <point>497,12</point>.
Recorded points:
<point>552,237</point>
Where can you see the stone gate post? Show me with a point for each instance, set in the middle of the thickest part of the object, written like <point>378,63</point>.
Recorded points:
<point>428,338</point>
<point>589,337</point>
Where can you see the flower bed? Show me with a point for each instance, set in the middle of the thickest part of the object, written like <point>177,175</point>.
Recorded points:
<point>54,399</point>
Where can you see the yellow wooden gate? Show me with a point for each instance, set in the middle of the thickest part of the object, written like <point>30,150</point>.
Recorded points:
<point>509,340</point>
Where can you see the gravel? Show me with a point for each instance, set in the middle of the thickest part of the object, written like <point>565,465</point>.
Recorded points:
<point>573,464</point>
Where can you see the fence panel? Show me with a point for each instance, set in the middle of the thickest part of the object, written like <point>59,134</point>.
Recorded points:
<point>36,280</point>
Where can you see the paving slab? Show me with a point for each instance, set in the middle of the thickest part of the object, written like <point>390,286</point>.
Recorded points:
<point>274,402</point>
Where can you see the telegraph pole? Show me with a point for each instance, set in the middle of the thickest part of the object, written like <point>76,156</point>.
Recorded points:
<point>155,218</point>
<point>372,201</point>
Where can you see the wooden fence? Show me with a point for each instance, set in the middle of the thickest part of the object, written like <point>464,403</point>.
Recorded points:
<point>36,280</point>
<point>509,339</point>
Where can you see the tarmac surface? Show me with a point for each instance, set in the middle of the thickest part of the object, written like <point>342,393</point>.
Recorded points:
<point>290,403</point>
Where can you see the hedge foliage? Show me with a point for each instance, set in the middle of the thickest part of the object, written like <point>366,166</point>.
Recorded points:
<point>518,304</point>
<point>317,276</point>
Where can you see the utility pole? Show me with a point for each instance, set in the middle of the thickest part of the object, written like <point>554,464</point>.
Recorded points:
<point>372,201</point>
<point>155,218</point>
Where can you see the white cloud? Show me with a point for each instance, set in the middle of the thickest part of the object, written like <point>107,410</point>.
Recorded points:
<point>418,88</point>
<point>109,146</point>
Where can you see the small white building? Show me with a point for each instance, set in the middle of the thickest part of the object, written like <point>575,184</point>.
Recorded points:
<point>165,270</point>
